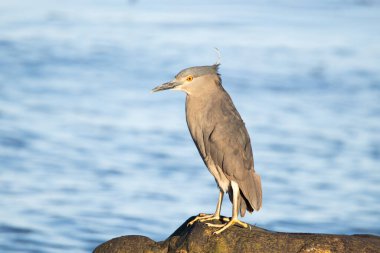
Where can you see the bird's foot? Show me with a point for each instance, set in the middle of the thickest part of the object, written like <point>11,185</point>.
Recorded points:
<point>202,217</point>
<point>230,223</point>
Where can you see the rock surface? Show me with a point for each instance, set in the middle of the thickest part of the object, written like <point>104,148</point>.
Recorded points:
<point>200,238</point>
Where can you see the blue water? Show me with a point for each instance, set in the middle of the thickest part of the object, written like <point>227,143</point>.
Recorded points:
<point>88,154</point>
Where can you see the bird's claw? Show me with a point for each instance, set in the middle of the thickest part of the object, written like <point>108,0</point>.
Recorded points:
<point>202,217</point>
<point>223,227</point>
<point>225,219</point>
<point>199,218</point>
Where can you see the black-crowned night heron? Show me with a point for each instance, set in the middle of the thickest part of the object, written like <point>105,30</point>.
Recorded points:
<point>222,141</point>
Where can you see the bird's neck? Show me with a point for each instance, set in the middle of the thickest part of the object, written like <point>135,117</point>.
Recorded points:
<point>198,107</point>
<point>201,100</point>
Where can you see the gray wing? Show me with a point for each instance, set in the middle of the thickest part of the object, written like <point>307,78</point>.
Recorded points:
<point>229,147</point>
<point>228,142</point>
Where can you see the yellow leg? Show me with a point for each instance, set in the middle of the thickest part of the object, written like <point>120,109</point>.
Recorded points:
<point>234,220</point>
<point>208,217</point>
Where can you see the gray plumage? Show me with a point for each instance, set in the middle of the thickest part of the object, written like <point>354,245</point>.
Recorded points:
<point>219,134</point>
<point>198,71</point>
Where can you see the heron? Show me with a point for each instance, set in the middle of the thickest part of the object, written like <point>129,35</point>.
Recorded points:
<point>223,142</point>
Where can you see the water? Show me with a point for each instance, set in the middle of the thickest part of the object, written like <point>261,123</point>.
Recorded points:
<point>88,154</point>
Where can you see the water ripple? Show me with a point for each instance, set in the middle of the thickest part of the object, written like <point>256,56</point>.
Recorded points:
<point>88,154</point>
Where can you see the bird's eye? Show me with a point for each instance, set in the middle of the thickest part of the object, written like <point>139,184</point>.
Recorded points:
<point>189,78</point>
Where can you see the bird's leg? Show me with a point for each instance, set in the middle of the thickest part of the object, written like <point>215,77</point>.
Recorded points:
<point>207,217</point>
<point>234,219</point>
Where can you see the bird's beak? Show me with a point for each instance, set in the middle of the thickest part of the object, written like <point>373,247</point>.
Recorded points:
<point>166,86</point>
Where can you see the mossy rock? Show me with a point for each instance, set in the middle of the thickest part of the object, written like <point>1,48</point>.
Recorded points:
<point>199,238</point>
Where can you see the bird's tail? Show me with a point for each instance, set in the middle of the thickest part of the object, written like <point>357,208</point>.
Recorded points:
<point>250,193</point>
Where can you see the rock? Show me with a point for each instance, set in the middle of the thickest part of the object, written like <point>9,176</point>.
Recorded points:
<point>200,238</point>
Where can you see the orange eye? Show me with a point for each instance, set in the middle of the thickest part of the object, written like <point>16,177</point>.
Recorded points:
<point>189,78</point>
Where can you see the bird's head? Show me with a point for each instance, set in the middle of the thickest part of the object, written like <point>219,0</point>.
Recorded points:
<point>193,80</point>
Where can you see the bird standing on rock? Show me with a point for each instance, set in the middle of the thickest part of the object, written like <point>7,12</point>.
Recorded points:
<point>222,141</point>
